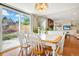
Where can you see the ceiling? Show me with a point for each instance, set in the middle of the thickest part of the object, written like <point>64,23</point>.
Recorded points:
<point>55,10</point>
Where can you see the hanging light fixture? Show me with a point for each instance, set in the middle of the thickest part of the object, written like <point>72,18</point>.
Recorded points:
<point>41,6</point>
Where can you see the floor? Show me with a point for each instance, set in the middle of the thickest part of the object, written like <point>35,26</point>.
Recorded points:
<point>14,52</point>
<point>71,46</point>
<point>10,44</point>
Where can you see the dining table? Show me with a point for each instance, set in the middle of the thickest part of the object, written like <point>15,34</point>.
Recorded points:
<point>51,40</point>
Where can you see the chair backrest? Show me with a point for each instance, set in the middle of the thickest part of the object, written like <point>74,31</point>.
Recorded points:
<point>61,42</point>
<point>35,42</point>
<point>23,37</point>
<point>34,39</point>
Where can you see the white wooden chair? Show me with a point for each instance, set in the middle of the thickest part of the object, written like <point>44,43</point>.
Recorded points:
<point>28,39</point>
<point>35,42</point>
<point>23,43</point>
<point>60,45</point>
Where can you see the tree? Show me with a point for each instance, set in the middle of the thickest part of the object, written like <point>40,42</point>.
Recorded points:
<point>26,21</point>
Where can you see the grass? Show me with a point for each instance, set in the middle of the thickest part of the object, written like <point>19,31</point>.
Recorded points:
<point>9,36</point>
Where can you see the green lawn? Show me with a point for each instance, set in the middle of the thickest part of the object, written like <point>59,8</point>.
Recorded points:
<point>9,36</point>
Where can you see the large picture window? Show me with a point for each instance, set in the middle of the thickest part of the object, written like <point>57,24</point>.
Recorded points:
<point>9,24</point>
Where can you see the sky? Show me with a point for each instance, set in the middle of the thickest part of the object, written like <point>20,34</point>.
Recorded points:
<point>12,14</point>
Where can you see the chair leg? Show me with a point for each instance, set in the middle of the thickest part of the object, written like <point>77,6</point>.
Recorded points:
<point>1,54</point>
<point>26,52</point>
<point>21,52</point>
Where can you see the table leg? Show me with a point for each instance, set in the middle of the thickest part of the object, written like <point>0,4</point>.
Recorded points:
<point>54,48</point>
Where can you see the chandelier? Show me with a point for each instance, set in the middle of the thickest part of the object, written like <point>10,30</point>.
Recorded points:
<point>41,6</point>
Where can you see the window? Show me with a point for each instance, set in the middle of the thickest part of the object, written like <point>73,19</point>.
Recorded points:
<point>25,23</point>
<point>12,22</point>
<point>9,24</point>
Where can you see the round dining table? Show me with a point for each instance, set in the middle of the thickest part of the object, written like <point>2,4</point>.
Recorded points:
<point>51,40</point>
